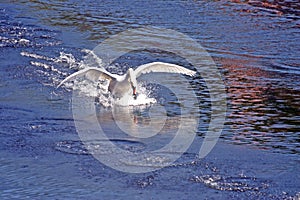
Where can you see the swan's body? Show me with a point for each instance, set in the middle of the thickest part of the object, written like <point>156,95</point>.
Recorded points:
<point>120,85</point>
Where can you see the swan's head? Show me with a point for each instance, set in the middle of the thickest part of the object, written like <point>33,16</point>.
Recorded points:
<point>133,82</point>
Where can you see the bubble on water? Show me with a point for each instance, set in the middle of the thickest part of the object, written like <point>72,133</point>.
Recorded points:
<point>230,183</point>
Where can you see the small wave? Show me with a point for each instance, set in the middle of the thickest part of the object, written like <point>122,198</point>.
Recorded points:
<point>98,146</point>
<point>278,7</point>
<point>223,183</point>
<point>13,42</point>
<point>284,68</point>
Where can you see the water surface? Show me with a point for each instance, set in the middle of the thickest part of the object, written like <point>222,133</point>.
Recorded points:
<point>255,46</point>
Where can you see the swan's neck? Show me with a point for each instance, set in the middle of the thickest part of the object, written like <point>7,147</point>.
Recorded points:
<point>132,77</point>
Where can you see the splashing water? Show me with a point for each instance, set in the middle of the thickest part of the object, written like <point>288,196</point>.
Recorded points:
<point>104,97</point>
<point>99,90</point>
<point>143,98</point>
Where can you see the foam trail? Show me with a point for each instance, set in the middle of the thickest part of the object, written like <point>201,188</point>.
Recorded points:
<point>36,56</point>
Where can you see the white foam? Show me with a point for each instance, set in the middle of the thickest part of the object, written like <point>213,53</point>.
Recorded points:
<point>36,56</point>
<point>39,64</point>
<point>128,100</point>
<point>46,66</point>
<point>66,58</point>
<point>98,61</point>
<point>24,41</point>
<point>105,98</point>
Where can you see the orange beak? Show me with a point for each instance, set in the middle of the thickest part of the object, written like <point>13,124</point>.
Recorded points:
<point>134,93</point>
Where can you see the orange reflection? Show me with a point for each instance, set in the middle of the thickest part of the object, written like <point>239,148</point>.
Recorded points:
<point>262,111</point>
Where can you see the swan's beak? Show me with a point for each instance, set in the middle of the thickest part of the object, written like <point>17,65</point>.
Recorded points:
<point>134,93</point>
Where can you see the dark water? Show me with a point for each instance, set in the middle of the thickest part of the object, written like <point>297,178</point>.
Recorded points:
<point>254,44</point>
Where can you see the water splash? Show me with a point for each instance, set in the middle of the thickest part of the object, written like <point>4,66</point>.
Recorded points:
<point>128,100</point>
<point>99,90</point>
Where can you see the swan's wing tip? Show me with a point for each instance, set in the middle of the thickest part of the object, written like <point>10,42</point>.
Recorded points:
<point>64,81</point>
<point>60,84</point>
<point>91,73</point>
<point>192,73</point>
<point>189,72</point>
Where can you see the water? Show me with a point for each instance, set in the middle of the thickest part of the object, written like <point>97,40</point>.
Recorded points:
<point>255,46</point>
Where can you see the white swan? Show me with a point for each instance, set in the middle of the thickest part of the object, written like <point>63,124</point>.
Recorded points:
<point>120,85</point>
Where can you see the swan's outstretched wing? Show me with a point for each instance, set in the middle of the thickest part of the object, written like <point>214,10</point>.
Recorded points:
<point>91,73</point>
<point>162,67</point>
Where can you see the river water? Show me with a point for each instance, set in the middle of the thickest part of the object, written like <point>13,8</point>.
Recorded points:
<point>255,46</point>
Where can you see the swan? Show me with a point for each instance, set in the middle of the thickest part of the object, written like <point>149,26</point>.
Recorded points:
<point>121,85</point>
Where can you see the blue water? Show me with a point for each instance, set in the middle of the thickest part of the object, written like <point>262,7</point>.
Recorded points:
<point>255,47</point>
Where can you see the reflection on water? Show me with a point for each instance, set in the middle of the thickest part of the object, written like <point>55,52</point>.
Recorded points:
<point>291,7</point>
<point>263,110</point>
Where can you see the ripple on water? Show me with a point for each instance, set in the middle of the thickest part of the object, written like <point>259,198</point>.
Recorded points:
<point>263,110</point>
<point>98,146</point>
<point>17,35</point>
<point>142,158</point>
<point>288,7</point>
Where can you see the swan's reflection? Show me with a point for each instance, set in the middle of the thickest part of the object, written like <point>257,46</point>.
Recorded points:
<point>140,121</point>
